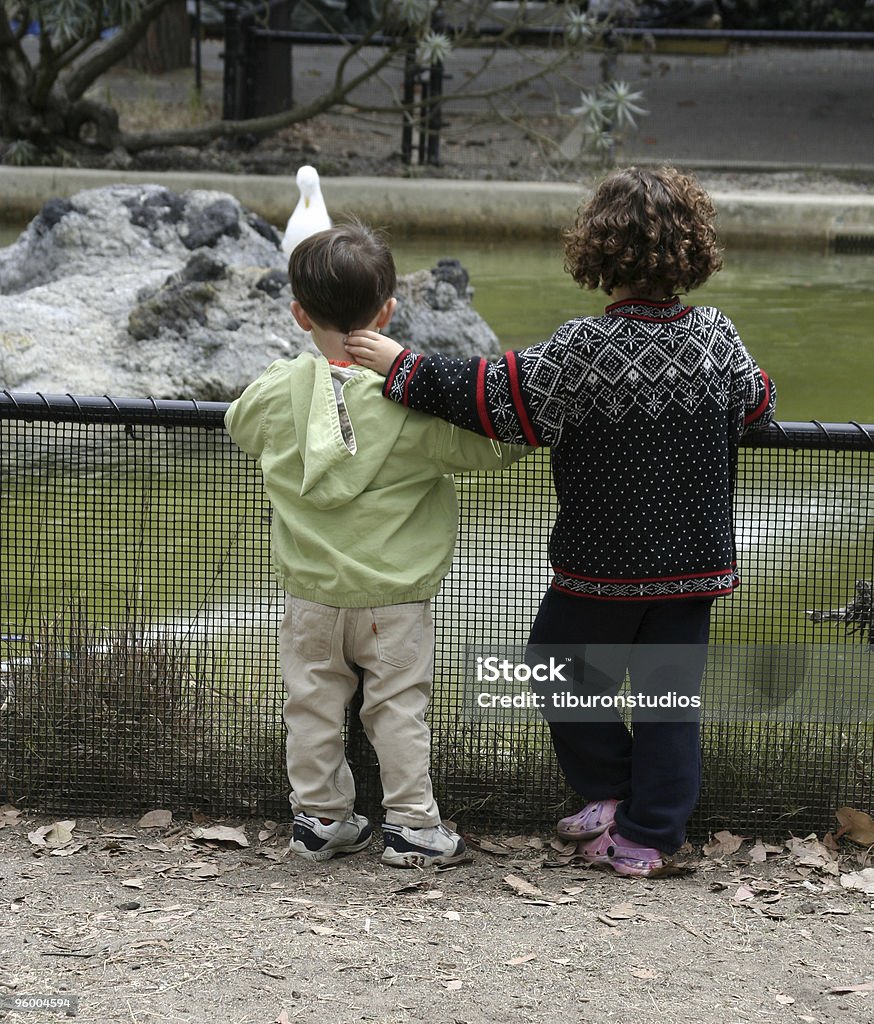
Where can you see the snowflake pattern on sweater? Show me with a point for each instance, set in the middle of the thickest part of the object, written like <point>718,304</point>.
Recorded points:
<point>643,409</point>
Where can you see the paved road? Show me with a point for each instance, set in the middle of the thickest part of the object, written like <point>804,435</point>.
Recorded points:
<point>750,105</point>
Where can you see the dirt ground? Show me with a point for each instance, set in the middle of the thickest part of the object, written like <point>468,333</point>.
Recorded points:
<point>178,923</point>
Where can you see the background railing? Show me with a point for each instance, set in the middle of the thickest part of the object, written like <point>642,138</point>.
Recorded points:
<point>138,617</point>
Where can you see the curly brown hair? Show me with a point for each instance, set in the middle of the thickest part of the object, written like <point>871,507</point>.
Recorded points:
<point>648,230</point>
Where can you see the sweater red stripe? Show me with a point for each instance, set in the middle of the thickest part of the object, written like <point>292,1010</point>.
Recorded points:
<point>515,390</point>
<point>481,404</point>
<point>760,408</point>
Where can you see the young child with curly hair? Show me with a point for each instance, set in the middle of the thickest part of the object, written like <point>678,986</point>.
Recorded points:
<point>643,408</point>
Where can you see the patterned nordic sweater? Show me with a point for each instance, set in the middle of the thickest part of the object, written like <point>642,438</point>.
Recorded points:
<point>643,409</point>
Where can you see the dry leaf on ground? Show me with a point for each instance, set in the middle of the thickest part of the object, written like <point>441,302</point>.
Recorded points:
<point>723,844</point>
<point>865,986</point>
<point>221,834</point>
<point>194,871</point>
<point>489,847</point>
<point>68,850</point>
<point>9,815</point>
<point>863,880</point>
<point>156,819</point>
<point>760,851</point>
<point>521,887</point>
<point>417,886</point>
<point>622,912</point>
<point>565,853</point>
<point>53,836</point>
<point>268,832</point>
<point>857,826</point>
<point>811,853</point>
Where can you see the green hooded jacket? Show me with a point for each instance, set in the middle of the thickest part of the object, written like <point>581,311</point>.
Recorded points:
<point>358,530</point>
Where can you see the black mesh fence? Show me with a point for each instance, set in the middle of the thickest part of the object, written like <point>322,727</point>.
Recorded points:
<point>139,615</point>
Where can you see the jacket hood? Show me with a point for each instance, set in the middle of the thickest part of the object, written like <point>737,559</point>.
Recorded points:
<point>332,474</point>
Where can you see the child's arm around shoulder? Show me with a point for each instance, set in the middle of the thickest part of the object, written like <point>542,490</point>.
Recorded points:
<point>454,449</point>
<point>373,350</point>
<point>506,399</point>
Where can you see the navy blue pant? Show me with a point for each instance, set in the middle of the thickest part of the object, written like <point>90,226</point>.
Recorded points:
<point>657,772</point>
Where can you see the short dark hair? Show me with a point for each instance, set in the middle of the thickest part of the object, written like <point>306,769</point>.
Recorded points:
<point>343,276</point>
<point>644,229</point>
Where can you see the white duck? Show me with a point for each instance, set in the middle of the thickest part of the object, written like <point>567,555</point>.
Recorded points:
<point>310,215</point>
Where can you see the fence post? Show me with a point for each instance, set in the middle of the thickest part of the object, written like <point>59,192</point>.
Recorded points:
<point>230,75</point>
<point>409,99</point>
<point>198,57</point>
<point>269,89</point>
<point>434,116</point>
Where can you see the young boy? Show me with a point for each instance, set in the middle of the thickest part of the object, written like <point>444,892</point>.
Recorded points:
<point>364,524</point>
<point>643,408</point>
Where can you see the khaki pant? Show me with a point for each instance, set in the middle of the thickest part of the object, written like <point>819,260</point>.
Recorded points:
<point>320,650</point>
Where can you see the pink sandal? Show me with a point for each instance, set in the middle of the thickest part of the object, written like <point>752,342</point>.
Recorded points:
<point>621,854</point>
<point>594,819</point>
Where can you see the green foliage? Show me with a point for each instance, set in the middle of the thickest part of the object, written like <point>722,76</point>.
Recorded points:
<point>21,153</point>
<point>434,48</point>
<point>580,27</point>
<point>415,13</point>
<point>603,113</point>
<point>67,21</point>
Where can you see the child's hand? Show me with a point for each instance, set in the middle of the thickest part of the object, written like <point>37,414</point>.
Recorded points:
<point>367,348</point>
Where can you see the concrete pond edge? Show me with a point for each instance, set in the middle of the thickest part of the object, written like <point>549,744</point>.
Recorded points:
<point>485,210</point>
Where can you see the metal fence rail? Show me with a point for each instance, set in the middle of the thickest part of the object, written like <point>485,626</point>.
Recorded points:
<point>138,617</point>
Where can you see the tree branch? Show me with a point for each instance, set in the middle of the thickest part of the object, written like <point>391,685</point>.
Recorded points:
<point>75,51</point>
<point>81,77</point>
<point>462,94</point>
<point>254,126</point>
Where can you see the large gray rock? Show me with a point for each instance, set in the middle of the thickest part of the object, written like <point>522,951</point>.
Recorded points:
<point>136,290</point>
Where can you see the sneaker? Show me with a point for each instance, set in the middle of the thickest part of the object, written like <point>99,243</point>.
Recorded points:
<point>321,838</point>
<point>421,847</point>
<point>595,818</point>
<point>621,854</point>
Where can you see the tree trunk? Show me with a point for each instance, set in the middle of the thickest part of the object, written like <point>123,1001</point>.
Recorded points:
<point>166,45</point>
